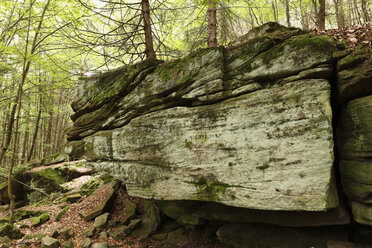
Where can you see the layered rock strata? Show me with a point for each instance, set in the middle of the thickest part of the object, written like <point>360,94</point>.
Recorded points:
<point>249,125</point>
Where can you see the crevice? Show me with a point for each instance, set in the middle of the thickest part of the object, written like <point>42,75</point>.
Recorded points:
<point>336,121</point>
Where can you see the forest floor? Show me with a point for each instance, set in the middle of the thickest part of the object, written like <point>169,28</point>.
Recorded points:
<point>191,236</point>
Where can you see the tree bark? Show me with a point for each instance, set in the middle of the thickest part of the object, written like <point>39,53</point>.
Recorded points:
<point>35,135</point>
<point>287,13</point>
<point>212,24</point>
<point>365,9</point>
<point>304,18</point>
<point>339,13</point>
<point>9,131</point>
<point>48,138</point>
<point>357,12</point>
<point>321,15</point>
<point>275,13</point>
<point>25,145</point>
<point>150,53</point>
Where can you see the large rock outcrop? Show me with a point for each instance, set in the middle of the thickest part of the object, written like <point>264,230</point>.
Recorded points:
<point>355,133</point>
<point>247,126</point>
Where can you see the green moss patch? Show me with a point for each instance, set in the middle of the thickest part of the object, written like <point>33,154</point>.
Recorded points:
<point>209,189</point>
<point>359,54</point>
<point>61,213</point>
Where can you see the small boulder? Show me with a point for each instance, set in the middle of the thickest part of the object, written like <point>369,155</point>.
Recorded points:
<point>5,239</point>
<point>17,190</point>
<point>48,242</point>
<point>177,238</point>
<point>61,213</point>
<point>67,233</point>
<point>43,218</point>
<point>86,243</point>
<point>68,244</point>
<point>100,245</point>
<point>159,236</point>
<point>90,232</point>
<point>150,221</point>
<point>54,234</point>
<point>33,221</point>
<point>103,235</point>
<point>123,231</point>
<point>71,198</point>
<point>11,231</point>
<point>98,202</point>
<point>180,211</point>
<point>112,223</point>
<point>101,221</point>
<point>129,211</point>
<point>148,226</point>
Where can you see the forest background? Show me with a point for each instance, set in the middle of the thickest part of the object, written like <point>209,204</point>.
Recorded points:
<point>46,45</point>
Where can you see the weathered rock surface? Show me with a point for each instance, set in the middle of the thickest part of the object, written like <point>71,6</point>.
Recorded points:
<point>355,144</point>
<point>232,151</point>
<point>98,202</point>
<point>48,242</point>
<point>10,231</point>
<point>247,126</point>
<point>355,77</point>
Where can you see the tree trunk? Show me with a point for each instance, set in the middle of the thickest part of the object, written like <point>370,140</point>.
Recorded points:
<point>304,18</point>
<point>48,138</point>
<point>275,13</point>
<point>321,15</point>
<point>25,145</point>
<point>350,20</point>
<point>357,12</point>
<point>224,25</point>
<point>315,13</point>
<point>339,13</point>
<point>18,103</point>
<point>287,13</point>
<point>150,53</point>
<point>365,9</point>
<point>35,132</point>
<point>9,131</point>
<point>212,24</point>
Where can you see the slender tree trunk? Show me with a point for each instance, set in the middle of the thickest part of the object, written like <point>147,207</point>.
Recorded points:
<point>275,14</point>
<point>304,18</point>
<point>25,145</point>
<point>224,26</point>
<point>287,13</point>
<point>321,15</point>
<point>9,131</point>
<point>350,7</point>
<point>150,53</point>
<point>212,24</point>
<point>18,103</point>
<point>315,13</point>
<point>357,12</point>
<point>339,13</point>
<point>35,133</point>
<point>48,138</point>
<point>365,10</point>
